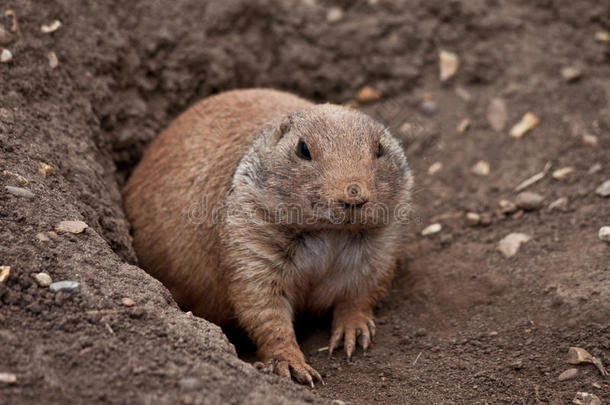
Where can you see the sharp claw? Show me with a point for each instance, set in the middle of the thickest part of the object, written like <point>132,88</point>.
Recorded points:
<point>311,384</point>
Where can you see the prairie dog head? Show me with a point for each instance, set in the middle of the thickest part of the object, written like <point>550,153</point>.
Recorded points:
<point>326,167</point>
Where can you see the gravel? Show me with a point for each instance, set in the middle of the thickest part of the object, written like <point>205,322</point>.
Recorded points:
<point>527,123</point>
<point>71,226</point>
<point>510,244</point>
<point>189,384</point>
<point>604,189</point>
<point>5,271</point>
<point>5,36</point>
<point>448,65</point>
<point>571,73</point>
<point>529,201</point>
<point>563,174</point>
<point>128,302</point>
<point>497,114</point>
<point>568,374</point>
<point>560,204</point>
<point>481,168</point>
<point>428,107</point>
<point>506,207</point>
<point>43,279</point>
<point>432,229</point>
<point>65,286</point>
<point>8,378</point>
<point>6,56</point>
<point>19,192</point>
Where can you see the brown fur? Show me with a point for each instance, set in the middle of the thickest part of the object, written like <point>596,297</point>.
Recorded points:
<point>209,205</point>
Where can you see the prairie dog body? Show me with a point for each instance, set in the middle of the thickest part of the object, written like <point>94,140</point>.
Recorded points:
<point>255,205</point>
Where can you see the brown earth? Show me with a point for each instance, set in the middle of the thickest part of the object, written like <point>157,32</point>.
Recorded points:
<point>461,323</point>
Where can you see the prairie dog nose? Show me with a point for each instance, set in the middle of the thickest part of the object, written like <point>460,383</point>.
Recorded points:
<point>355,194</point>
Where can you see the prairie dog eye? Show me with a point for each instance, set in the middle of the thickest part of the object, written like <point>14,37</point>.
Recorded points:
<point>380,151</point>
<point>303,150</point>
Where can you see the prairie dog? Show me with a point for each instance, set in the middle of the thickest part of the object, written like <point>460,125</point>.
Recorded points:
<point>255,205</point>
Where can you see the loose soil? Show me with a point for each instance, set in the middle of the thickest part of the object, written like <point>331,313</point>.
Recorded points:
<point>460,325</point>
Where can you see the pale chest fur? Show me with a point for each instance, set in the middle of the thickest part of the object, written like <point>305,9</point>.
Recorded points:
<point>326,265</point>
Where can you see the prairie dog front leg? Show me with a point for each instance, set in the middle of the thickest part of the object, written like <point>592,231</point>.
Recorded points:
<point>266,315</point>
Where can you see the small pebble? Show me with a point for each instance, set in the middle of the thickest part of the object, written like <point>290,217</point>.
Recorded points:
<point>584,398</point>
<point>435,168</point>
<point>595,168</point>
<point>52,27</point>
<point>421,332</point>
<point>563,173</point>
<point>367,94</point>
<point>577,355</point>
<point>506,207</point>
<point>517,364</point>
<point>19,192</point>
<point>473,219</point>
<point>604,189</point>
<point>14,25</point>
<point>65,286</point>
<point>481,168</point>
<point>128,302</point>
<point>568,374</point>
<point>432,229</point>
<point>6,56</point>
<point>589,140</point>
<point>45,169</point>
<point>526,124</point>
<point>476,219</point>
<point>43,237</point>
<point>7,116</point>
<point>53,61</point>
<point>518,214</point>
<point>71,226</point>
<point>334,14</point>
<point>497,114</point>
<point>463,126</point>
<point>5,36</point>
<point>5,271</point>
<point>529,201</point>
<point>407,129</point>
<point>602,36</point>
<point>8,378</point>
<point>463,93</point>
<point>596,385</point>
<point>448,65</point>
<point>560,204</point>
<point>510,244</point>
<point>428,107</point>
<point>190,383</point>
<point>43,279</point>
<point>571,73</point>
<point>604,233</point>
<point>485,219</point>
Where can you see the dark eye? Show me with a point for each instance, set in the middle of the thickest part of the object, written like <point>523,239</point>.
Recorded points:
<point>303,150</point>
<point>380,151</point>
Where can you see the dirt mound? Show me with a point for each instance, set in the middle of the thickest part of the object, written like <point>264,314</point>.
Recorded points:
<point>462,323</point>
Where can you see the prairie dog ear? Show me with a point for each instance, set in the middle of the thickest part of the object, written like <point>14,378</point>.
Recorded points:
<point>281,129</point>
